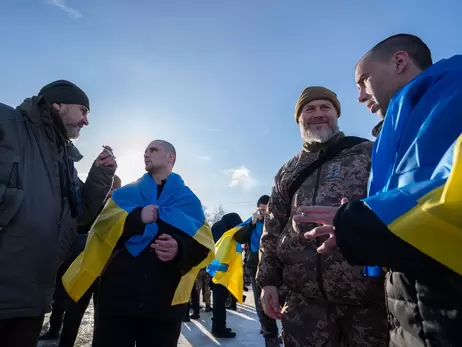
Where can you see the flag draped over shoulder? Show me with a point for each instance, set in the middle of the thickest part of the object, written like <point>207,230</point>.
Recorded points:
<point>178,206</point>
<point>227,268</point>
<point>416,176</point>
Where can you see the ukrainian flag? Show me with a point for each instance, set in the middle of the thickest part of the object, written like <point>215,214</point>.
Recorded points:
<point>178,206</point>
<point>416,176</point>
<point>227,269</point>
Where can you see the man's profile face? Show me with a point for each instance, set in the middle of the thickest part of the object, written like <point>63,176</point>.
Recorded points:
<point>377,83</point>
<point>263,208</point>
<point>74,118</point>
<point>156,158</point>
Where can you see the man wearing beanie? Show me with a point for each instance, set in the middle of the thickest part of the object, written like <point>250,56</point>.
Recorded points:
<point>41,202</point>
<point>330,303</point>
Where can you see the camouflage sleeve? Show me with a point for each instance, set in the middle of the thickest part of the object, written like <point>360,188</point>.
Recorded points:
<point>357,187</point>
<point>270,268</point>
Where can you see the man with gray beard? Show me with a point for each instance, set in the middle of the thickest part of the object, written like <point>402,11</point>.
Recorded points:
<point>330,303</point>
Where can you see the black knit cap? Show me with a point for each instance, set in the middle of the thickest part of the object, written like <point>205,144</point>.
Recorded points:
<point>64,92</point>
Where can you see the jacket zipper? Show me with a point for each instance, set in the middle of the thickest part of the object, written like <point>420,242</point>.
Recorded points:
<point>318,242</point>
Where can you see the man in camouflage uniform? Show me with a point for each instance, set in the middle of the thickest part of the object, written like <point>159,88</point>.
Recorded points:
<point>329,302</point>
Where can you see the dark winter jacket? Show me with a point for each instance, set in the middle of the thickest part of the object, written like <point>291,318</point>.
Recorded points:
<point>144,285</point>
<point>37,218</point>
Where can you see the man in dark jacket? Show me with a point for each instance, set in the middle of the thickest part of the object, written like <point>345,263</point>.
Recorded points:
<point>41,198</point>
<point>251,235</point>
<point>410,219</point>
<point>135,294</point>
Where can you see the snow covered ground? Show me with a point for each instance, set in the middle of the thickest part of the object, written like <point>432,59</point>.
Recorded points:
<point>195,333</point>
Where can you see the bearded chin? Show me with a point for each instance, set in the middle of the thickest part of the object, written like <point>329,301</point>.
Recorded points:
<point>318,135</point>
<point>72,133</point>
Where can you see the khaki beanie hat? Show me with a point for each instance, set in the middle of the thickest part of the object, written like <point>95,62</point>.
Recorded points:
<point>315,93</point>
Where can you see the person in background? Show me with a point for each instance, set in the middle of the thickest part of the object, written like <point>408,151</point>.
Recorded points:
<point>329,302</point>
<point>41,202</point>
<point>194,304</point>
<point>250,234</point>
<point>410,222</point>
<point>219,328</point>
<point>203,285</point>
<point>67,313</point>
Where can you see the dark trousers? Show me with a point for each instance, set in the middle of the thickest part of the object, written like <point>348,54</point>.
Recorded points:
<point>59,301</point>
<point>20,332</point>
<point>219,309</point>
<point>125,331</point>
<point>195,300</point>
<point>194,303</point>
<point>74,314</point>
<point>268,324</point>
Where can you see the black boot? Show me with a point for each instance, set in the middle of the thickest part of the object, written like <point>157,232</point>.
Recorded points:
<point>214,327</point>
<point>195,315</point>
<point>226,333</point>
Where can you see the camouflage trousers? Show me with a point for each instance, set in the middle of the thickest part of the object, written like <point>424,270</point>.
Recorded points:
<point>316,323</point>
<point>203,284</point>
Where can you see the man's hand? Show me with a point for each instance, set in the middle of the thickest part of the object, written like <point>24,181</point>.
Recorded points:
<point>149,214</point>
<point>321,215</point>
<point>106,158</point>
<point>166,247</point>
<point>256,217</point>
<point>330,244</point>
<point>270,302</point>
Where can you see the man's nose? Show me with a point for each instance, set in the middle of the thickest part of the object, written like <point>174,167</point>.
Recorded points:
<point>363,96</point>
<point>85,120</point>
<point>317,114</point>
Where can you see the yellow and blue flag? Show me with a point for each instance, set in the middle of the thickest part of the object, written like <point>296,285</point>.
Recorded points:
<point>178,206</point>
<point>227,269</point>
<point>416,176</point>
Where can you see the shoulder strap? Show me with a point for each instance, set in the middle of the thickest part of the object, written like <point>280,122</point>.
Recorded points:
<point>331,152</point>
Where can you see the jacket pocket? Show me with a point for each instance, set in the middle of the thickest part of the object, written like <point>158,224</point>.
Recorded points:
<point>10,202</point>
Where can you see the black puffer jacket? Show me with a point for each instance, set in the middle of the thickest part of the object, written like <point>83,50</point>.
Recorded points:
<point>424,298</point>
<point>424,311</point>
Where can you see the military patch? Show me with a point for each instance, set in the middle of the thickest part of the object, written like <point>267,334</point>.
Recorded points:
<point>333,171</point>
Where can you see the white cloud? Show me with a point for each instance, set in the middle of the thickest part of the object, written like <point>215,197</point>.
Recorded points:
<point>241,178</point>
<point>62,4</point>
<point>204,157</point>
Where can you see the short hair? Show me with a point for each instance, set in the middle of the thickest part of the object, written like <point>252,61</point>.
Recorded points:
<point>168,147</point>
<point>417,50</point>
<point>264,200</point>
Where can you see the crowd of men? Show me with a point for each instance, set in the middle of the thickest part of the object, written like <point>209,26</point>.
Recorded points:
<point>359,243</point>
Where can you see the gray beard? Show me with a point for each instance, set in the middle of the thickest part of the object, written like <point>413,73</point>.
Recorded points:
<point>318,136</point>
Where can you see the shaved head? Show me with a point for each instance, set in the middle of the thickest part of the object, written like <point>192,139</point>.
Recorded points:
<point>387,67</point>
<point>417,50</point>
<point>168,147</point>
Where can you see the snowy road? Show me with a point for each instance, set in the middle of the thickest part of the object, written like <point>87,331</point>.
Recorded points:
<point>195,333</point>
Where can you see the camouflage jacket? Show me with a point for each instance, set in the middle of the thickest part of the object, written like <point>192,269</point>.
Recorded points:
<point>287,258</point>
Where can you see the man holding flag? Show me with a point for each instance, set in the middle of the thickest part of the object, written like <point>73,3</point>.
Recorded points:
<point>147,246</point>
<point>226,271</point>
<point>410,222</point>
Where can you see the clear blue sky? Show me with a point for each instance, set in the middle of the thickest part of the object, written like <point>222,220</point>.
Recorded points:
<point>219,79</point>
